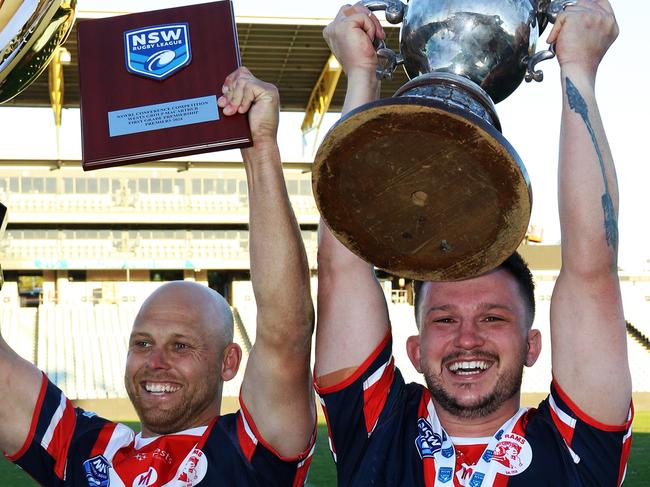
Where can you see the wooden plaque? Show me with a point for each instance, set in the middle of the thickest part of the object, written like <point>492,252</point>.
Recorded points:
<point>149,83</point>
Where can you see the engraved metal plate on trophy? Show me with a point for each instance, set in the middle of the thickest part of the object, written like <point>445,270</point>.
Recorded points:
<point>423,184</point>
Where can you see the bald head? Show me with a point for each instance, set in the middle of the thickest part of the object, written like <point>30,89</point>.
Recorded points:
<point>181,340</point>
<point>190,303</point>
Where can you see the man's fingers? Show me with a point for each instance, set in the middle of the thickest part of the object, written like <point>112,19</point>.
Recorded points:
<point>552,36</point>
<point>241,90</point>
<point>379,30</point>
<point>362,17</point>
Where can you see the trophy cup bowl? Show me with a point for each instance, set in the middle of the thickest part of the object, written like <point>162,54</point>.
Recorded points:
<point>30,33</point>
<point>423,184</point>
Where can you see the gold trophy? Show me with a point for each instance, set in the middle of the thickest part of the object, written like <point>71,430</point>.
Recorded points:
<point>30,33</point>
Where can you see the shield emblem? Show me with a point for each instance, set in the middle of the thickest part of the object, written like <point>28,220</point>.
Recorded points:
<point>476,480</point>
<point>158,51</point>
<point>445,474</point>
<point>97,473</point>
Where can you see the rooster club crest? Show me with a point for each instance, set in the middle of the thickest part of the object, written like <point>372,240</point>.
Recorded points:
<point>96,470</point>
<point>193,470</point>
<point>158,51</point>
<point>512,454</point>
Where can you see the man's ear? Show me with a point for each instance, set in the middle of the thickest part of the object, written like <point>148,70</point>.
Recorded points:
<point>534,347</point>
<point>413,351</point>
<point>231,360</point>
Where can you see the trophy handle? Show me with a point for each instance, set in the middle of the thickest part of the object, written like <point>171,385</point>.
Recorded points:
<point>388,59</point>
<point>395,9</point>
<point>552,10</point>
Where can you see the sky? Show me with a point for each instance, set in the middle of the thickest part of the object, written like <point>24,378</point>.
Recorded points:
<point>530,117</point>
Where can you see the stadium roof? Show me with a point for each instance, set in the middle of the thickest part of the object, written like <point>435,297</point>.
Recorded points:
<point>289,53</point>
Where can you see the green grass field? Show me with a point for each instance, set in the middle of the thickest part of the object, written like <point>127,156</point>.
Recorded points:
<point>323,475</point>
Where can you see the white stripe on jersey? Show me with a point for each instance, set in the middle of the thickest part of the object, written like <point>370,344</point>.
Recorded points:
<point>311,452</point>
<point>370,381</point>
<point>247,428</point>
<point>122,436</point>
<point>54,422</point>
<point>141,442</point>
<point>564,417</point>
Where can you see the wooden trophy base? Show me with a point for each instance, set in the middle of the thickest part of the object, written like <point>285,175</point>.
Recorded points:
<point>422,190</point>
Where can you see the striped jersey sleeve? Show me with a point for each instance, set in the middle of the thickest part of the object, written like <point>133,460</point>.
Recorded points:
<point>56,424</point>
<point>599,451</point>
<point>271,468</point>
<point>353,407</point>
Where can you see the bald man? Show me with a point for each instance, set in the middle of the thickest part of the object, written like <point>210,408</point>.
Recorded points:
<point>181,351</point>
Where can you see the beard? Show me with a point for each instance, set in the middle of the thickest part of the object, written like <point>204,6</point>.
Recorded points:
<point>508,384</point>
<point>179,416</point>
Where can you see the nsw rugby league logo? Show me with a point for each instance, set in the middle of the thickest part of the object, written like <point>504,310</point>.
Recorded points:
<point>157,51</point>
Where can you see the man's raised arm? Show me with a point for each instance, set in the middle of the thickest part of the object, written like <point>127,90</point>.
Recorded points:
<point>20,383</point>
<point>352,313</point>
<point>277,389</point>
<point>587,325</point>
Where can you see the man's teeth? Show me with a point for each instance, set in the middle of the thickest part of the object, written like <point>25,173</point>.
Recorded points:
<point>468,368</point>
<point>157,387</point>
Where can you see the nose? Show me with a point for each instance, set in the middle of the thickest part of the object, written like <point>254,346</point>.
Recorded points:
<point>158,359</point>
<point>468,336</point>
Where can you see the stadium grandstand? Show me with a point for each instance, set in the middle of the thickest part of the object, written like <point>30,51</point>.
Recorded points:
<point>82,250</point>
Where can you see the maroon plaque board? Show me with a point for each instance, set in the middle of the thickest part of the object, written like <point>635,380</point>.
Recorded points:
<point>149,84</point>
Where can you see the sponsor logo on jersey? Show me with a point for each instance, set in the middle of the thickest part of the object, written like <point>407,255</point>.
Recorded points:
<point>427,441</point>
<point>512,454</point>
<point>157,51</point>
<point>445,474</point>
<point>146,479</point>
<point>194,469</point>
<point>96,469</point>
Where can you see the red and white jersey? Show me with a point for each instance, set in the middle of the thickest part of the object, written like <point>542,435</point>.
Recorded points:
<point>67,446</point>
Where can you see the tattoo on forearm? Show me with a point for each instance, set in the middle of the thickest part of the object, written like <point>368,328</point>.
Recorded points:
<point>578,105</point>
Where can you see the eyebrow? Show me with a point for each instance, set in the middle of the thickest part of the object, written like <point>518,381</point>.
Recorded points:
<point>481,306</point>
<point>174,336</point>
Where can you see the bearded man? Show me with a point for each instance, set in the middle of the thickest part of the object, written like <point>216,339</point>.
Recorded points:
<point>467,427</point>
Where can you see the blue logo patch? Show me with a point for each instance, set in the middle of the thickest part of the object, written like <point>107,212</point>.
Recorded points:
<point>448,452</point>
<point>487,455</point>
<point>97,471</point>
<point>499,435</point>
<point>445,474</point>
<point>158,51</point>
<point>427,441</point>
<point>476,480</point>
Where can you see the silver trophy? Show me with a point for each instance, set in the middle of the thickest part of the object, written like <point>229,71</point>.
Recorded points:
<point>423,184</point>
<point>30,33</point>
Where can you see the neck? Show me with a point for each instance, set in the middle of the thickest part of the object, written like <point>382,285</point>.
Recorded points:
<point>477,427</point>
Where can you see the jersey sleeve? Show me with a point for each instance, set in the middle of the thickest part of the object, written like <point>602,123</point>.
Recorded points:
<point>270,467</point>
<point>599,451</point>
<point>56,426</point>
<point>353,408</point>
